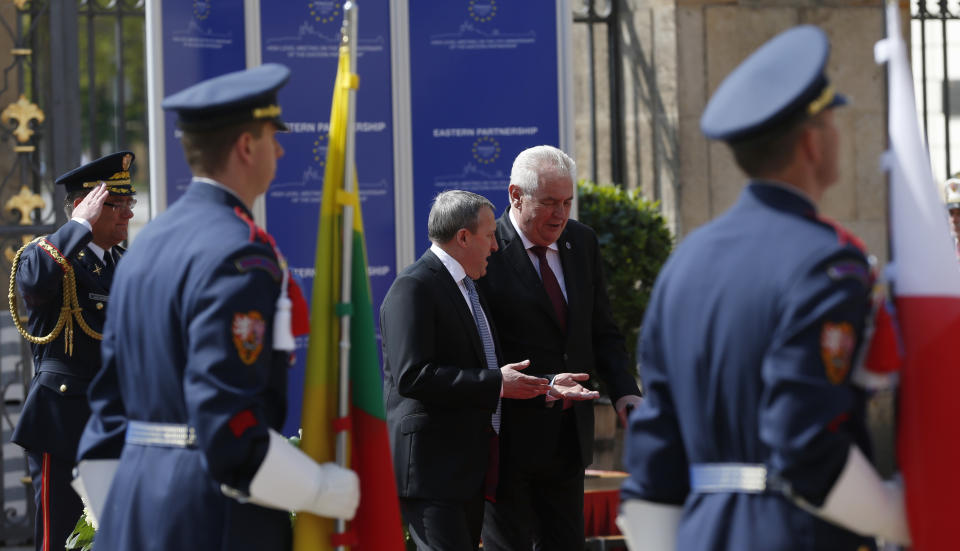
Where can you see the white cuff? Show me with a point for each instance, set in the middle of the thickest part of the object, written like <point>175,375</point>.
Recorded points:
<point>863,503</point>
<point>290,480</point>
<point>83,222</point>
<point>649,526</point>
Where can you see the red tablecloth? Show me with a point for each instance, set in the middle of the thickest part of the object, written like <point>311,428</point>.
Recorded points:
<point>600,513</point>
<point>601,503</point>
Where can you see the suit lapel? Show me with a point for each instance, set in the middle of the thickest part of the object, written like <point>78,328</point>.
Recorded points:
<point>516,255</point>
<point>452,292</point>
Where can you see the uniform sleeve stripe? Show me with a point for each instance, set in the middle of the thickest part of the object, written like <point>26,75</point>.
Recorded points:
<point>241,422</point>
<point>54,253</point>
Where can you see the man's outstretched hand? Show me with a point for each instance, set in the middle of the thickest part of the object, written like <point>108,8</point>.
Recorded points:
<point>566,386</point>
<point>518,385</point>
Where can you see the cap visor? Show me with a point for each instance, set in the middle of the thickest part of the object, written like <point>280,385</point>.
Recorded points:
<point>838,100</point>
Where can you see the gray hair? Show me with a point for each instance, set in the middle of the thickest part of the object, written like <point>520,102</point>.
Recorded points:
<point>532,162</point>
<point>70,198</point>
<point>453,210</point>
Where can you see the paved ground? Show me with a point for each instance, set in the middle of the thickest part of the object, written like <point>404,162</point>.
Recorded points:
<point>14,493</point>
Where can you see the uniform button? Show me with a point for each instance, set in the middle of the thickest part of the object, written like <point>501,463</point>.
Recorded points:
<point>81,254</point>
<point>63,388</point>
<point>99,306</point>
<point>564,356</point>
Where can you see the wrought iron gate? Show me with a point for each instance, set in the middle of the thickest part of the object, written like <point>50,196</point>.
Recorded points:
<point>599,20</point>
<point>72,89</point>
<point>936,68</point>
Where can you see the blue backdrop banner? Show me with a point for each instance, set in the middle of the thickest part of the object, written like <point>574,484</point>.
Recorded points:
<point>484,86</point>
<point>305,36</point>
<point>201,39</point>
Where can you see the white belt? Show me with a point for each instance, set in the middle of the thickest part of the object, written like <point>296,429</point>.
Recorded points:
<point>728,477</point>
<point>143,433</point>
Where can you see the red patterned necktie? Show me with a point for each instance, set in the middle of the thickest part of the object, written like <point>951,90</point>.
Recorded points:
<point>552,286</point>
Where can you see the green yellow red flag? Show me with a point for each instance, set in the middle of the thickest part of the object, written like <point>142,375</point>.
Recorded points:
<point>376,526</point>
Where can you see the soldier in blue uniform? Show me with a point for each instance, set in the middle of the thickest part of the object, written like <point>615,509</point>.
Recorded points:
<point>71,268</point>
<point>752,435</point>
<point>196,350</point>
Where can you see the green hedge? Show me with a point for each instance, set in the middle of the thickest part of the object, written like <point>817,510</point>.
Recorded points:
<point>634,242</point>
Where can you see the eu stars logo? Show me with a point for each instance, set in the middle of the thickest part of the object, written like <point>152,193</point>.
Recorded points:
<point>320,150</point>
<point>325,11</point>
<point>482,10</point>
<point>201,9</point>
<point>486,150</point>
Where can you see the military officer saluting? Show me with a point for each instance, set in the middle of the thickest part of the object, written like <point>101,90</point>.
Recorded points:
<point>193,387</point>
<point>64,279</point>
<point>752,435</point>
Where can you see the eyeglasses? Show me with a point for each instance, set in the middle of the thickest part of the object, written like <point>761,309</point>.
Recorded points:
<point>122,207</point>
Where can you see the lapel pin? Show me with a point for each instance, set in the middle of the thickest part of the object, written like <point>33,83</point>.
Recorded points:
<point>568,245</point>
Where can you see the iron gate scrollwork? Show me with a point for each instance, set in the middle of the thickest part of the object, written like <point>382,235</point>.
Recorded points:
<point>25,212</point>
<point>72,88</point>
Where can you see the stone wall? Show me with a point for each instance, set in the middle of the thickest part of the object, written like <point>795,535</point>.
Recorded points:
<point>676,53</point>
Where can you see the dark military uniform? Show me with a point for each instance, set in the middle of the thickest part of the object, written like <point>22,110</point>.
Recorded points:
<point>751,332</point>
<point>745,358</point>
<point>188,342</point>
<point>56,408</point>
<point>191,384</point>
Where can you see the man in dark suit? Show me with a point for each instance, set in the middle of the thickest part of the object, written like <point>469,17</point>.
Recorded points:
<point>549,302</point>
<point>753,434</point>
<point>442,378</point>
<point>80,256</point>
<point>193,386</point>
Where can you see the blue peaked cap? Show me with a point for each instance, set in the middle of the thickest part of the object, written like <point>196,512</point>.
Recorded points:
<point>781,79</point>
<point>233,98</point>
<point>112,170</point>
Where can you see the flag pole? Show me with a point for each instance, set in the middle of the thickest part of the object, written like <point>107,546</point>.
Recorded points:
<point>349,40</point>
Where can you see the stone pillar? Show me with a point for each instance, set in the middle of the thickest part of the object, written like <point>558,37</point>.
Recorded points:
<point>676,54</point>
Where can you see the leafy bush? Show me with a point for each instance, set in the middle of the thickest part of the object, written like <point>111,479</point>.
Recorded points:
<point>634,242</point>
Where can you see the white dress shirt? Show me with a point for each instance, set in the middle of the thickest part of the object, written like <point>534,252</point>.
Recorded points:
<point>458,273</point>
<point>553,255</point>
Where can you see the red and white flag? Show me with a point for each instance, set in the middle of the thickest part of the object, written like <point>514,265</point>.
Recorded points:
<point>926,287</point>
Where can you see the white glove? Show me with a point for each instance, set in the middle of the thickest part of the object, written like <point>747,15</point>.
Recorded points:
<point>92,479</point>
<point>649,526</point>
<point>290,480</point>
<point>863,503</point>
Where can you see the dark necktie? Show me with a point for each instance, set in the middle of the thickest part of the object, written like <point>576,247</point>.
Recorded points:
<point>552,286</point>
<point>108,259</point>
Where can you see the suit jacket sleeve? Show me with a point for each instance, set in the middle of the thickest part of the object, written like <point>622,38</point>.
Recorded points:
<point>414,319</point>
<point>612,362</point>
